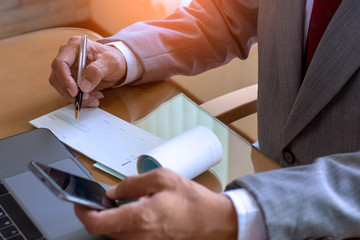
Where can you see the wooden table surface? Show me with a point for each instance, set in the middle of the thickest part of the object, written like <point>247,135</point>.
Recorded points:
<point>25,94</point>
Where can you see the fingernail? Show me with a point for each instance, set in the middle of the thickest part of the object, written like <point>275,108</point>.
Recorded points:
<point>85,85</point>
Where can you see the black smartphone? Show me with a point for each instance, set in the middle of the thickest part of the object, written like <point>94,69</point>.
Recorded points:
<point>73,188</point>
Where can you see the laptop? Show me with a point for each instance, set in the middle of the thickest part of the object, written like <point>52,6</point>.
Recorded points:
<point>28,209</point>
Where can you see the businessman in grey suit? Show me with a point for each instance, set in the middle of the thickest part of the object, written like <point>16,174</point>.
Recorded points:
<point>308,110</point>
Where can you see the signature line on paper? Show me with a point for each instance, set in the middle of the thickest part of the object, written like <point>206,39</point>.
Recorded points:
<point>73,123</point>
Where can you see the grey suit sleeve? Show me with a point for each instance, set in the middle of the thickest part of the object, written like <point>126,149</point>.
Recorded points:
<point>316,200</point>
<point>207,34</point>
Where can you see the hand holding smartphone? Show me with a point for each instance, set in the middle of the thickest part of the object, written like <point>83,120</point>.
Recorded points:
<point>73,188</point>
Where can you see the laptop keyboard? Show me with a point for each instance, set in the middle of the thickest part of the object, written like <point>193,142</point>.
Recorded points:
<point>14,223</point>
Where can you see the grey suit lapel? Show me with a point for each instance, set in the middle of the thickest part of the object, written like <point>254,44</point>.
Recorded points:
<point>336,59</point>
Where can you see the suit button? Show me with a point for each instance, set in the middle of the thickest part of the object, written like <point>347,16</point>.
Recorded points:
<point>288,156</point>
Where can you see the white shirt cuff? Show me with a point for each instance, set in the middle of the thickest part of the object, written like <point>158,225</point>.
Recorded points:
<point>251,224</point>
<point>134,69</point>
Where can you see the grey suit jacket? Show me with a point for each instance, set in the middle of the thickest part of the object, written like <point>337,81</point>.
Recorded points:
<point>302,117</point>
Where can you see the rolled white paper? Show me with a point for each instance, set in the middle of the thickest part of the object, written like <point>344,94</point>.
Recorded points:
<point>188,154</point>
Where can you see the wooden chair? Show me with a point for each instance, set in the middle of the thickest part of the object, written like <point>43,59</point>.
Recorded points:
<point>237,109</point>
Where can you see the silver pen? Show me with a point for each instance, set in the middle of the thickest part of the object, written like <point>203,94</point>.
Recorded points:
<point>80,72</point>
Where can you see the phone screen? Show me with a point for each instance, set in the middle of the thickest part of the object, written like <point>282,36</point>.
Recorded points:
<point>73,188</point>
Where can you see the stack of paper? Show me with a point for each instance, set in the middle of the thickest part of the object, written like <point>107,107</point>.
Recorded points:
<point>116,145</point>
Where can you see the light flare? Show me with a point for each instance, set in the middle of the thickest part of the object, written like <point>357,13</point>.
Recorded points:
<point>170,5</point>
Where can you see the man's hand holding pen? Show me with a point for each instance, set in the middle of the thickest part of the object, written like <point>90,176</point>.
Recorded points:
<point>81,68</point>
<point>105,66</point>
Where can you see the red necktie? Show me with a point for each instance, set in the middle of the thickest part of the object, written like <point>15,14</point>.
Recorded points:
<point>323,11</point>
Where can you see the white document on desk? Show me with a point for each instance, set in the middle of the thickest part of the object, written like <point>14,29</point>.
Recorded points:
<point>100,136</point>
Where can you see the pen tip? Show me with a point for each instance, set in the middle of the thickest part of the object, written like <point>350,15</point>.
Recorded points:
<point>77,110</point>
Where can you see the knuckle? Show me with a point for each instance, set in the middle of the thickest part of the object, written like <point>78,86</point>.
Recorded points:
<point>94,71</point>
<point>55,63</point>
<point>163,172</point>
<point>167,179</point>
<point>62,47</point>
<point>160,176</point>
<point>74,39</point>
<point>147,220</point>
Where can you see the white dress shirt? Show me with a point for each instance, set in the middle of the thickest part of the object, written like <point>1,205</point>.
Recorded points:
<point>251,224</point>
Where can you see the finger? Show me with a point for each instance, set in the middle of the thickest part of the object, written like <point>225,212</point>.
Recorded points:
<point>109,222</point>
<point>92,99</point>
<point>56,84</point>
<point>97,94</point>
<point>116,64</point>
<point>91,103</point>
<point>88,217</point>
<point>107,67</point>
<point>63,79</point>
<point>144,184</point>
<point>93,74</point>
<point>62,65</point>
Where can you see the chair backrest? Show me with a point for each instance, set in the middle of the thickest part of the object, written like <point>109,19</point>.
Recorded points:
<point>236,105</point>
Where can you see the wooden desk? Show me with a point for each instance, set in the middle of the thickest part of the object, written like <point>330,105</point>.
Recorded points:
<point>26,94</point>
